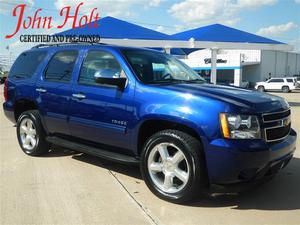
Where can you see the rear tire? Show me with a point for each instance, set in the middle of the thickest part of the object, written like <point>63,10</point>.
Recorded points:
<point>31,134</point>
<point>173,166</point>
<point>261,88</point>
<point>285,89</point>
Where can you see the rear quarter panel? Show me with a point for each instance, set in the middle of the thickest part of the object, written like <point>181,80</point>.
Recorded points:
<point>24,88</point>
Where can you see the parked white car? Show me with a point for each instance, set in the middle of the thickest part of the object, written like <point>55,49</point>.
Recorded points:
<point>286,84</point>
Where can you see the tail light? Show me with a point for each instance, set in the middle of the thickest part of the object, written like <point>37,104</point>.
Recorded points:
<point>5,92</point>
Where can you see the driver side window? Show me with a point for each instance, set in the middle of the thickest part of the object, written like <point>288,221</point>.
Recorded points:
<point>97,61</point>
<point>160,71</point>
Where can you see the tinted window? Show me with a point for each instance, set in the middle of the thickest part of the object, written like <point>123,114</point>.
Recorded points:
<point>156,67</point>
<point>276,81</point>
<point>290,80</point>
<point>97,61</point>
<point>26,64</point>
<point>61,66</point>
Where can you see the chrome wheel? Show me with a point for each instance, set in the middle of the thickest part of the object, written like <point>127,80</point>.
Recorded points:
<point>285,89</point>
<point>168,167</point>
<point>261,88</point>
<point>28,134</point>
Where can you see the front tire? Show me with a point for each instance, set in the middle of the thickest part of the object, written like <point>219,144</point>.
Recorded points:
<point>173,166</point>
<point>261,88</point>
<point>31,134</point>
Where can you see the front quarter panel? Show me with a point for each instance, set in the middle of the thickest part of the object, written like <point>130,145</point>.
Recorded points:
<point>153,102</point>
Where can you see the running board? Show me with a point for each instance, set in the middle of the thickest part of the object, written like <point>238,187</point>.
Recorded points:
<point>113,156</point>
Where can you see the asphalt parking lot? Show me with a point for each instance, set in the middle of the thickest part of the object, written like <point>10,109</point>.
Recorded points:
<point>64,187</point>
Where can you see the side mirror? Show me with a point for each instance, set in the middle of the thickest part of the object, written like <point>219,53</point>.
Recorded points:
<point>110,77</point>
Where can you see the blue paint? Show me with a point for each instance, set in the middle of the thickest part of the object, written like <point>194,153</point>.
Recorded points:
<point>196,106</point>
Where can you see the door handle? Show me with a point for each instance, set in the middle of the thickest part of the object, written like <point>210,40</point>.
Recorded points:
<point>79,96</point>
<point>41,90</point>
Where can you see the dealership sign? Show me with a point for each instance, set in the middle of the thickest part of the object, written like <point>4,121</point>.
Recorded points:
<point>36,21</point>
<point>208,60</point>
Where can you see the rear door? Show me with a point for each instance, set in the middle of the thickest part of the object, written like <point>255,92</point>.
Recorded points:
<point>54,91</point>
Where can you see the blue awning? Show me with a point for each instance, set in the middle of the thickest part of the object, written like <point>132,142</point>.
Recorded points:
<point>119,32</point>
<point>221,33</point>
<point>110,27</point>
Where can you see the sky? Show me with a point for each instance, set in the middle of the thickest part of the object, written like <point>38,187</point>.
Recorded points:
<point>275,19</point>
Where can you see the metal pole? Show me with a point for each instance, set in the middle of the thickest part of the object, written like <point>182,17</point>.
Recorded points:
<point>275,64</point>
<point>9,59</point>
<point>213,73</point>
<point>168,50</point>
<point>296,64</point>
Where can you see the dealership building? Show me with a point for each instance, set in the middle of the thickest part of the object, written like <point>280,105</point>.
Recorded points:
<point>252,65</point>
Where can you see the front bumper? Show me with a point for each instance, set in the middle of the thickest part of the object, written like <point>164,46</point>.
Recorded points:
<point>236,161</point>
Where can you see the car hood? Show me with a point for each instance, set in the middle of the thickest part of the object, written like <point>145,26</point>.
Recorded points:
<point>247,99</point>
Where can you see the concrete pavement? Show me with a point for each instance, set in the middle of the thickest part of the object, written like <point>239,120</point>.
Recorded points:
<point>65,187</point>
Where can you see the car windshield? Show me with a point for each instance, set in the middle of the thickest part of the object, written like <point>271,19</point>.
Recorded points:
<point>156,67</point>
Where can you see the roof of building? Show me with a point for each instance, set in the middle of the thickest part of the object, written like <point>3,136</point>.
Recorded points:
<point>110,27</point>
<point>221,33</point>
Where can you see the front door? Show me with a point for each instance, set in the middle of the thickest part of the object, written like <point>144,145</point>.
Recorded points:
<point>101,113</point>
<point>274,84</point>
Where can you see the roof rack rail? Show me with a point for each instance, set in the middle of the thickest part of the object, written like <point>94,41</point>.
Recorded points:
<point>67,43</point>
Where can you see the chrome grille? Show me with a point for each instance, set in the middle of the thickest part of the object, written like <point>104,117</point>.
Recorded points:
<point>269,117</point>
<point>276,125</point>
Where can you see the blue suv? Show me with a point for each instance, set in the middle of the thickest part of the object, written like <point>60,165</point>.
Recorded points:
<point>140,106</point>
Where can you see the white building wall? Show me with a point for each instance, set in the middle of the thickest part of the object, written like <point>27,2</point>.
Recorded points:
<point>291,64</point>
<point>284,63</point>
<point>281,64</point>
<point>267,64</point>
<point>252,73</point>
<point>232,57</point>
<point>298,64</point>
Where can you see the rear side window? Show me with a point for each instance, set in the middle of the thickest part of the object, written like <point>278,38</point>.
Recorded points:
<point>290,80</point>
<point>276,81</point>
<point>61,66</point>
<point>26,64</point>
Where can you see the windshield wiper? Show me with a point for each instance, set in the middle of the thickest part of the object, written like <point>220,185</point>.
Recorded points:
<point>169,80</point>
<point>18,76</point>
<point>195,81</point>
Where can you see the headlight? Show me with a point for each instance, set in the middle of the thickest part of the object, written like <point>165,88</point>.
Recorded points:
<point>235,126</point>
